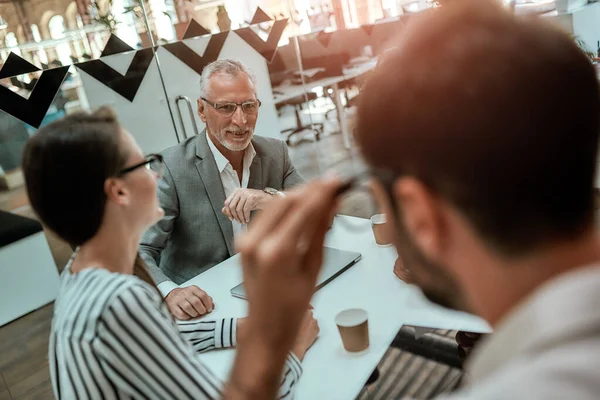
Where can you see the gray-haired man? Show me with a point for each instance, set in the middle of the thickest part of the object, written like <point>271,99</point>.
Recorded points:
<point>211,184</point>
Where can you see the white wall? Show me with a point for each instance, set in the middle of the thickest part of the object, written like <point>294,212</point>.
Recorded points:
<point>583,22</point>
<point>181,80</point>
<point>586,25</point>
<point>148,118</point>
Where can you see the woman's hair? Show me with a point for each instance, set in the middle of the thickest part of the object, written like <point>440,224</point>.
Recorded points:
<point>65,165</point>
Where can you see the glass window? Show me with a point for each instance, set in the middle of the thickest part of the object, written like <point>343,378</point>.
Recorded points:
<point>12,43</point>
<point>56,25</point>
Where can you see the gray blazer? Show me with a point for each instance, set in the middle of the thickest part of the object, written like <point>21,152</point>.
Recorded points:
<point>195,235</point>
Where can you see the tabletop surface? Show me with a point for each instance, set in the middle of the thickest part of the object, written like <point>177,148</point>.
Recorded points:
<point>329,371</point>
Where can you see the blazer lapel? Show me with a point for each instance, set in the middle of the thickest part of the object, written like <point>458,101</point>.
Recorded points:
<point>256,179</point>
<point>209,174</point>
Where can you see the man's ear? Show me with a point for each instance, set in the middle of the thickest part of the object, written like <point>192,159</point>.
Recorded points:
<point>202,110</point>
<point>422,214</point>
<point>116,191</point>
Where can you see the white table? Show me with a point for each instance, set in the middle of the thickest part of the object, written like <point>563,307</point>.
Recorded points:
<point>289,91</point>
<point>329,371</point>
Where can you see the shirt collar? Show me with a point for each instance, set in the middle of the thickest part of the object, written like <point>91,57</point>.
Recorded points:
<point>249,155</point>
<point>560,310</point>
<point>222,162</point>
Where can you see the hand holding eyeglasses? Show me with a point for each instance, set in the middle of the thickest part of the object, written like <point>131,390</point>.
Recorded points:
<point>280,274</point>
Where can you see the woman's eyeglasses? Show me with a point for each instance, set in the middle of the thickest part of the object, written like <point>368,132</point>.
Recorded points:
<point>228,108</point>
<point>151,161</point>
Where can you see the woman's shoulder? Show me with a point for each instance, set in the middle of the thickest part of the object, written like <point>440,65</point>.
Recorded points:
<point>91,293</point>
<point>99,283</point>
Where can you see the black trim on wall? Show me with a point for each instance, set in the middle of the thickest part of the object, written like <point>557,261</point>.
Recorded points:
<point>33,109</point>
<point>15,65</point>
<point>368,29</point>
<point>260,16</point>
<point>266,49</point>
<point>115,45</point>
<point>195,29</point>
<point>126,85</point>
<point>324,38</point>
<point>194,60</point>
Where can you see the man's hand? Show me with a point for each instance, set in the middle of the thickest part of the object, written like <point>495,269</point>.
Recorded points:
<point>309,331</point>
<point>402,272</point>
<point>281,256</point>
<point>189,302</point>
<point>242,201</point>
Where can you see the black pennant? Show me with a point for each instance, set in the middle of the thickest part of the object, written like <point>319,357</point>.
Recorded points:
<point>33,109</point>
<point>126,85</point>
<point>260,16</point>
<point>194,29</point>
<point>368,29</point>
<point>115,45</point>
<point>266,49</point>
<point>15,65</point>
<point>194,60</point>
<point>324,38</point>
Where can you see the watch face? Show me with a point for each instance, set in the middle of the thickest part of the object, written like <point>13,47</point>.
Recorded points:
<point>271,191</point>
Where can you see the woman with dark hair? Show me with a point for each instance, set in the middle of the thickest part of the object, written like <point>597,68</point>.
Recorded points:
<point>112,336</point>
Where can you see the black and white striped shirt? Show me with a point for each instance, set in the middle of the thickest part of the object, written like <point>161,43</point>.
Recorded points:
<point>112,337</point>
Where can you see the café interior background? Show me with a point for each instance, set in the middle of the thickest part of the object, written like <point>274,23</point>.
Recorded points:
<point>144,58</point>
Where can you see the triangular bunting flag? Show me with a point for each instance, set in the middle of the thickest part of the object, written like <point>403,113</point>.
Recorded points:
<point>15,65</point>
<point>368,29</point>
<point>260,16</point>
<point>194,60</point>
<point>126,85</point>
<point>266,48</point>
<point>194,29</point>
<point>33,109</point>
<point>115,45</point>
<point>324,38</point>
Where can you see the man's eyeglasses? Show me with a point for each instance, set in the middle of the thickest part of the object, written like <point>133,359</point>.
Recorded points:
<point>151,161</point>
<point>356,194</point>
<point>228,108</point>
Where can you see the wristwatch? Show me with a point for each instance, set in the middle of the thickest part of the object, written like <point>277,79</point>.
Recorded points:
<point>273,192</point>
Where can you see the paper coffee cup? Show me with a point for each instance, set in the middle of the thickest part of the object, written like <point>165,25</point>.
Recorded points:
<point>353,325</point>
<point>378,222</point>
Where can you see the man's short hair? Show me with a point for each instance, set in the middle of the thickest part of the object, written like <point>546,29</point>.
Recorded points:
<point>497,115</point>
<point>225,66</point>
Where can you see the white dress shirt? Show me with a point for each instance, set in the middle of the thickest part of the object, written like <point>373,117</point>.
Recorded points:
<point>230,178</point>
<point>547,348</point>
<point>230,181</point>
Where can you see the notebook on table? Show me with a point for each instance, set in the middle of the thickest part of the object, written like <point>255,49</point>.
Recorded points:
<point>335,262</point>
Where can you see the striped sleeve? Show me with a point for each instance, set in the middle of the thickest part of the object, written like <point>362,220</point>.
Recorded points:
<point>142,352</point>
<point>209,335</point>
<point>146,355</point>
<point>291,374</point>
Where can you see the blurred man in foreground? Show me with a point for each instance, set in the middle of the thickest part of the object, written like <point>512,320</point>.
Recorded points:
<point>482,131</point>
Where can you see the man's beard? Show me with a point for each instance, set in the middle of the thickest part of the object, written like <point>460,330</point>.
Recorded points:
<point>234,146</point>
<point>440,287</point>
